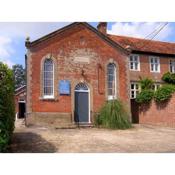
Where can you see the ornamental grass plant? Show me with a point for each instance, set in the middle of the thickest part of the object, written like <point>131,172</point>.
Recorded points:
<point>113,115</point>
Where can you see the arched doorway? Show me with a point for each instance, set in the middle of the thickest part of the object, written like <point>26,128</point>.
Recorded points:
<point>82,103</point>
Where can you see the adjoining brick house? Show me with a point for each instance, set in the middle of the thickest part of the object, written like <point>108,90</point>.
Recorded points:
<point>20,102</point>
<point>74,70</point>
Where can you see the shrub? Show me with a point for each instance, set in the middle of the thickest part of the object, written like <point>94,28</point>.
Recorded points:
<point>113,115</point>
<point>7,110</point>
<point>169,78</point>
<point>146,83</point>
<point>164,93</point>
<point>145,96</point>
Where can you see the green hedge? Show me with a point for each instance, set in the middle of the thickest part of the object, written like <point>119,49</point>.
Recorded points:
<point>7,107</point>
<point>113,115</point>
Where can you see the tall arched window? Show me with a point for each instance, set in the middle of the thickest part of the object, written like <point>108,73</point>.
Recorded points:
<point>48,79</point>
<point>111,81</point>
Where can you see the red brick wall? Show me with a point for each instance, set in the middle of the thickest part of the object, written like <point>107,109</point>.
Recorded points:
<point>145,69</point>
<point>161,114</point>
<point>63,47</point>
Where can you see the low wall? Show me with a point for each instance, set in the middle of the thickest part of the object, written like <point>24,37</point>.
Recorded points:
<point>159,114</point>
<point>49,119</point>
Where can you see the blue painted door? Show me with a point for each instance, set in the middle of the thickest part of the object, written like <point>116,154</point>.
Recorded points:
<point>81,107</point>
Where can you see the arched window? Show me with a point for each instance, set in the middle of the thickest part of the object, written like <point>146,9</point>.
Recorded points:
<point>48,79</point>
<point>111,81</point>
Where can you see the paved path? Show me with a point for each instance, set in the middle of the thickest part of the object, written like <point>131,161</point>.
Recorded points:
<point>94,140</point>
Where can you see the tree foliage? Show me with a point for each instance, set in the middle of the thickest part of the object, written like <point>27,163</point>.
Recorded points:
<point>7,107</point>
<point>19,75</point>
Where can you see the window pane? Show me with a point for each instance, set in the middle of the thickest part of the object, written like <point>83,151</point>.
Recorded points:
<point>110,84</point>
<point>111,74</point>
<point>137,86</point>
<point>132,86</point>
<point>152,67</point>
<point>110,77</point>
<point>136,58</point>
<point>136,66</point>
<point>156,67</point>
<point>151,60</point>
<point>110,92</point>
<point>131,65</point>
<point>132,94</point>
<point>131,58</point>
<point>48,77</point>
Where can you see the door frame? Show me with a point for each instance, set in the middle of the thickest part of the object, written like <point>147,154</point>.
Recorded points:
<point>21,101</point>
<point>89,103</point>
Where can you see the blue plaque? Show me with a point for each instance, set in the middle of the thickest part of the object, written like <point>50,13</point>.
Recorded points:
<point>64,87</point>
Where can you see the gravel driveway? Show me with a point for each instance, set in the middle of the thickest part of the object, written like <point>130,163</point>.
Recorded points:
<point>93,140</point>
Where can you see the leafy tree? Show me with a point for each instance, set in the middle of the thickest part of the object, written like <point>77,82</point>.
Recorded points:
<point>19,75</point>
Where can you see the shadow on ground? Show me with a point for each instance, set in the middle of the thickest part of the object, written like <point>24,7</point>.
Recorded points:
<point>28,142</point>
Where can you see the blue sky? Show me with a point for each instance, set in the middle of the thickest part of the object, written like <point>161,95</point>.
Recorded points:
<point>12,35</point>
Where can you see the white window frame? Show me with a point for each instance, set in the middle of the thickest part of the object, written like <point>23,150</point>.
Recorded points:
<point>48,96</point>
<point>134,63</point>
<point>158,62</point>
<point>112,97</point>
<point>172,65</point>
<point>156,86</point>
<point>134,90</point>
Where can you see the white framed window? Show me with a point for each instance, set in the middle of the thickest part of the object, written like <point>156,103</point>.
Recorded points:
<point>156,86</point>
<point>134,90</point>
<point>134,62</point>
<point>111,81</point>
<point>48,78</point>
<point>154,64</point>
<point>172,65</point>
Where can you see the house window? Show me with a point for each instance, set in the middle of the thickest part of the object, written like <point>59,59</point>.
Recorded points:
<point>111,80</point>
<point>154,64</point>
<point>134,90</point>
<point>172,66</point>
<point>48,77</point>
<point>156,86</point>
<point>134,62</point>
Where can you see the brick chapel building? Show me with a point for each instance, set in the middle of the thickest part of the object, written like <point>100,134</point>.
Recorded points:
<point>72,72</point>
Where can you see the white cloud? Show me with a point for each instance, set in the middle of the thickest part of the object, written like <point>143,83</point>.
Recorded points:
<point>11,32</point>
<point>140,29</point>
<point>6,50</point>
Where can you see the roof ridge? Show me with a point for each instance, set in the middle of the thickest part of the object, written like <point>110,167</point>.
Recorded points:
<point>124,36</point>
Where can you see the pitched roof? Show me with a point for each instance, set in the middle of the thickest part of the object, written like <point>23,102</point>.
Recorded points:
<point>144,45</point>
<point>59,31</point>
<point>124,43</point>
<point>20,90</point>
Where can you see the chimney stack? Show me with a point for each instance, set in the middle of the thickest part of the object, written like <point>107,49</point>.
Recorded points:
<point>102,27</point>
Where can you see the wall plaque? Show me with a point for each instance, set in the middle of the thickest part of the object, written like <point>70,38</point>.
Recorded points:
<point>64,87</point>
<point>82,59</point>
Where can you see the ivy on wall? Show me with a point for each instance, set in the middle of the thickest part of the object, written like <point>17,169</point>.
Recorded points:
<point>162,94</point>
